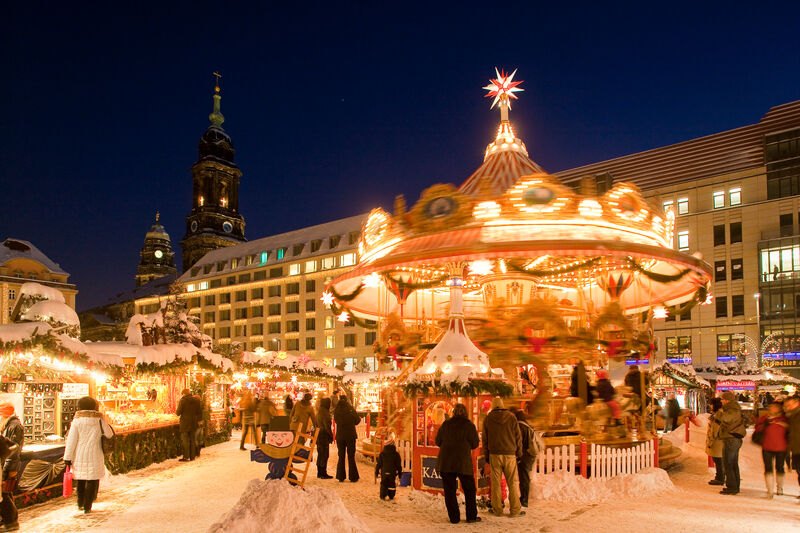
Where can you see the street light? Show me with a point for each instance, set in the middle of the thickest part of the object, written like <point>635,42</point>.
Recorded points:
<point>757,296</point>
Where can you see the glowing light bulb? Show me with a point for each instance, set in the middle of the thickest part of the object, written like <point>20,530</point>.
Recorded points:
<point>372,281</point>
<point>481,267</point>
<point>344,316</point>
<point>660,312</point>
<point>327,298</point>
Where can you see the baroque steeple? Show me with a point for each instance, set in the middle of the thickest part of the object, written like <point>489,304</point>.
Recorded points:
<point>156,258</point>
<point>214,221</point>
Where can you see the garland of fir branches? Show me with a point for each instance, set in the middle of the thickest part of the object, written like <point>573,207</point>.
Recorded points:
<point>336,310</point>
<point>403,285</point>
<point>658,278</point>
<point>346,297</point>
<point>545,273</point>
<point>456,388</point>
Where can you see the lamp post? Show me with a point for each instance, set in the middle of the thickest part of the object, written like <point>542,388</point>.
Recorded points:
<point>757,296</point>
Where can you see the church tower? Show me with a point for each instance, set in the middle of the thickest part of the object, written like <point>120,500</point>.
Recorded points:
<point>214,221</point>
<point>157,258</point>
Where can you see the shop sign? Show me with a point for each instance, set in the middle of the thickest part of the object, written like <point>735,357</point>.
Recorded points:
<point>726,358</point>
<point>430,476</point>
<point>736,385</point>
<point>645,361</point>
<point>783,360</point>
<point>680,360</point>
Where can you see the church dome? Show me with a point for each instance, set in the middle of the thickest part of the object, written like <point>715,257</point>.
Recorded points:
<point>216,144</point>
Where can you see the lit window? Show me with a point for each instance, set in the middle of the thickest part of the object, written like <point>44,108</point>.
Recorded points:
<point>223,202</point>
<point>311,266</point>
<point>719,199</point>
<point>294,269</point>
<point>234,262</point>
<point>328,263</point>
<point>281,252</point>
<point>190,287</point>
<point>667,205</point>
<point>683,240</point>
<point>203,285</point>
<point>348,260</point>
<point>683,206</point>
<point>12,294</point>
<point>201,200</point>
<point>330,341</point>
<point>264,257</point>
<point>735,196</point>
<point>330,321</point>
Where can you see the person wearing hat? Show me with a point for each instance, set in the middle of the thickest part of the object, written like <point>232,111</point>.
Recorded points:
<point>12,430</point>
<point>502,445</point>
<point>84,451</point>
<point>731,432</point>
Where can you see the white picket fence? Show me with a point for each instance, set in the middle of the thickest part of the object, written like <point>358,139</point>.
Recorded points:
<point>602,462</point>
<point>405,450</point>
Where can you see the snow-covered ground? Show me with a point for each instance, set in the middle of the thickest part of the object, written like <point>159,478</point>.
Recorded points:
<point>191,497</point>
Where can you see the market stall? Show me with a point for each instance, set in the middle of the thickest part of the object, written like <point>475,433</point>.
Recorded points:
<point>689,388</point>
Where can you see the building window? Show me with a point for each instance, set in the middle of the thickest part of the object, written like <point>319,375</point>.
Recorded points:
<point>311,324</point>
<point>735,196</point>
<point>683,206</point>
<point>686,315</point>
<point>722,306</point>
<point>280,253</point>
<point>189,287</point>
<point>350,364</point>
<point>348,259</point>
<point>316,245</point>
<point>782,157</point>
<point>292,307</point>
<point>736,232</point>
<point>215,283</point>
<point>330,341</point>
<point>330,322</point>
<point>669,204</point>
<point>230,280</point>
<point>679,349</point>
<point>719,235</point>
<point>234,263</point>
<point>787,225</point>
<point>350,340</point>
<point>274,327</point>
<point>311,285</point>
<point>257,344</point>
<point>292,288</point>
<point>292,326</point>
<point>210,332</point>
<point>297,249</point>
<point>208,316</point>
<point>737,305</point>
<point>209,300</point>
<point>225,314</point>
<point>273,291</point>
<point>264,257</point>
<point>728,347</point>
<point>274,344</point>
<point>328,263</point>
<point>194,302</point>
<point>257,311</point>
<point>780,263</point>
<point>310,342</point>
<point>719,271</point>
<point>311,304</point>
<point>683,241</point>
<point>203,285</point>
<point>333,241</point>
<point>372,363</point>
<point>369,338</point>
<point>241,331</point>
<point>276,272</point>
<point>225,332</point>
<point>260,275</point>
<point>719,199</point>
<point>257,294</point>
<point>220,266</point>
<point>293,344</point>
<point>736,269</point>
<point>241,313</point>
<point>241,296</point>
<point>12,294</point>
<point>294,269</point>
<point>311,266</point>
<point>274,309</point>
<point>244,278</point>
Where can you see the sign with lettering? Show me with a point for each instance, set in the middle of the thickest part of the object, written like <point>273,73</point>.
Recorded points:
<point>736,385</point>
<point>430,476</point>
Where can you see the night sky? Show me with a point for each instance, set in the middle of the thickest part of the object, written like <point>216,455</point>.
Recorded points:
<point>335,108</point>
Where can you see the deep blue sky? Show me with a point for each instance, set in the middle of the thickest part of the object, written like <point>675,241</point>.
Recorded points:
<point>336,107</point>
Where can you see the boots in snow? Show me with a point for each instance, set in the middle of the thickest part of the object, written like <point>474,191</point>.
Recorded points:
<point>769,479</point>
<point>779,478</point>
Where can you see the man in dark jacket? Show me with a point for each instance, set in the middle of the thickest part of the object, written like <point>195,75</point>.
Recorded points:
<point>324,439</point>
<point>388,466</point>
<point>672,410</point>
<point>14,436</point>
<point>502,445</point>
<point>791,407</point>
<point>456,439</point>
<point>346,420</point>
<point>633,379</point>
<point>731,432</point>
<point>525,463</point>
<point>188,411</point>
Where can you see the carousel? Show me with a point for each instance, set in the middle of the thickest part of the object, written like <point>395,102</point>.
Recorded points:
<point>514,284</point>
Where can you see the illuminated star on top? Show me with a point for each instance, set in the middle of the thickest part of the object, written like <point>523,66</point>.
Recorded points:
<point>503,88</point>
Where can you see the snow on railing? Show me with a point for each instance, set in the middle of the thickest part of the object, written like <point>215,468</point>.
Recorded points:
<point>596,460</point>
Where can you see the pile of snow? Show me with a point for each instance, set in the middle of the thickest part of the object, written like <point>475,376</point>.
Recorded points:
<point>273,359</point>
<point>23,331</point>
<point>571,488</point>
<point>276,506</point>
<point>41,292</point>
<point>57,312</point>
<point>133,333</point>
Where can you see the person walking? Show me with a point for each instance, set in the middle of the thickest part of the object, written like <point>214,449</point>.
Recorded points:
<point>247,407</point>
<point>12,430</point>
<point>266,410</point>
<point>303,415</point>
<point>187,411</point>
<point>324,439</point>
<point>791,407</point>
<point>456,439</point>
<point>672,410</point>
<point>84,451</point>
<point>772,429</point>
<point>346,420</point>
<point>732,431</point>
<point>525,463</point>
<point>502,441</point>
<point>714,443</point>
<point>288,405</point>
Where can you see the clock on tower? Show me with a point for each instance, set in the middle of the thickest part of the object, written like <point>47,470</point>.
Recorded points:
<point>156,258</point>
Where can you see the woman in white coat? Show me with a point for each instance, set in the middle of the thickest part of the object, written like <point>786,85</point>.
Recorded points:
<point>84,451</point>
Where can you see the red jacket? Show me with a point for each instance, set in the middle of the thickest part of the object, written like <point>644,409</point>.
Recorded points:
<point>774,433</point>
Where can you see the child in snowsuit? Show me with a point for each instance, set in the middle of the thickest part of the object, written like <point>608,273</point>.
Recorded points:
<point>389,466</point>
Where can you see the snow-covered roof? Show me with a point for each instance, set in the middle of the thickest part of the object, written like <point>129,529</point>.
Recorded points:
<point>17,248</point>
<point>289,362</point>
<point>25,331</point>
<point>679,370</point>
<point>160,354</point>
<point>22,331</point>
<point>341,228</point>
<point>31,288</point>
<point>48,310</point>
<point>156,287</point>
<point>363,377</point>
